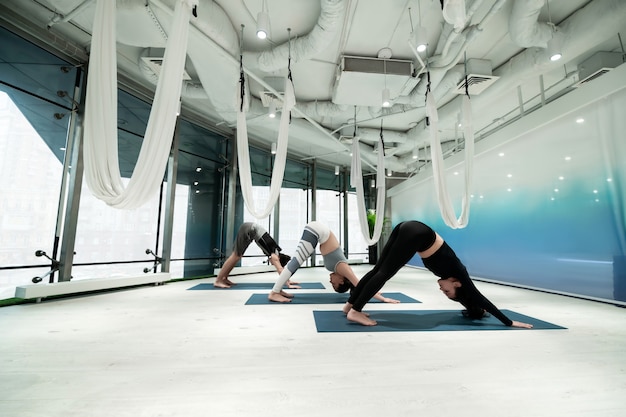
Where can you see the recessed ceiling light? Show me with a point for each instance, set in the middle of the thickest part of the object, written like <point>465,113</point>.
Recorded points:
<point>580,120</point>
<point>568,158</point>
<point>501,154</point>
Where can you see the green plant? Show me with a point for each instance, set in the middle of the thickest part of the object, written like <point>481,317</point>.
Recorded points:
<point>371,220</point>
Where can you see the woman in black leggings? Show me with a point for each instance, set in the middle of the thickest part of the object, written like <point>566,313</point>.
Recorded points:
<point>406,239</point>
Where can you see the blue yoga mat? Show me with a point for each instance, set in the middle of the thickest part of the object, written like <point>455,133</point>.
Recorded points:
<point>421,321</point>
<point>324,298</point>
<point>258,286</point>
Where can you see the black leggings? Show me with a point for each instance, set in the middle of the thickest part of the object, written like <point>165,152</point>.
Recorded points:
<point>406,239</point>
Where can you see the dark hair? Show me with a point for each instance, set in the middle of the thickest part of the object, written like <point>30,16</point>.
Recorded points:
<point>344,286</point>
<point>283,258</point>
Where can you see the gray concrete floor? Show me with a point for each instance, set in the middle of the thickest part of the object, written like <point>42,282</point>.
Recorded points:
<point>166,351</point>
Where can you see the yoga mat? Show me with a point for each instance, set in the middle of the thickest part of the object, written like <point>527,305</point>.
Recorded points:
<point>325,298</point>
<point>421,321</point>
<point>258,286</point>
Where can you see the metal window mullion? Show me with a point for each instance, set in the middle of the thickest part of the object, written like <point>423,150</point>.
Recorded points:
<point>68,237</point>
<point>170,199</point>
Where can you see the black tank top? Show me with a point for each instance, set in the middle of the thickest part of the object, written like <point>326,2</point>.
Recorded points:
<point>445,264</point>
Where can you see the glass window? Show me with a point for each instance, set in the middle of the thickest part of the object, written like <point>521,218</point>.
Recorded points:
<point>357,246</point>
<point>31,175</point>
<point>254,256</point>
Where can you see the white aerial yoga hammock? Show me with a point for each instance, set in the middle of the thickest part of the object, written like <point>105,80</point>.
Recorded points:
<point>102,171</point>
<point>243,154</point>
<point>436,154</point>
<point>356,181</point>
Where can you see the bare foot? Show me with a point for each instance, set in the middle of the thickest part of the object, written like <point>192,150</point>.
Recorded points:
<point>286,294</point>
<point>361,318</point>
<point>278,297</point>
<point>229,282</point>
<point>347,307</point>
<point>293,285</point>
<point>221,284</point>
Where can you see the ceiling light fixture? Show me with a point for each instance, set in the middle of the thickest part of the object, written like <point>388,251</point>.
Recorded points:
<point>421,38</point>
<point>373,183</point>
<point>389,172</point>
<point>554,44</point>
<point>415,153</point>
<point>386,101</point>
<point>420,34</point>
<point>336,169</point>
<point>263,22</point>
<point>272,110</point>
<point>454,13</point>
<point>273,149</point>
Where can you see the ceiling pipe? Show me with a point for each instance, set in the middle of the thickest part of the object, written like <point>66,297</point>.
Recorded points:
<point>189,90</point>
<point>225,37</point>
<point>225,45</point>
<point>74,53</point>
<point>522,65</point>
<point>389,136</point>
<point>607,15</point>
<point>449,33</point>
<point>66,18</point>
<point>524,28</point>
<point>328,26</point>
<point>321,109</point>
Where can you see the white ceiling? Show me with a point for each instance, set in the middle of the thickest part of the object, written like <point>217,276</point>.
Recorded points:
<point>505,34</point>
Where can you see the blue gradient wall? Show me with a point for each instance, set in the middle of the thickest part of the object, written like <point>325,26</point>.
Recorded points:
<point>547,208</point>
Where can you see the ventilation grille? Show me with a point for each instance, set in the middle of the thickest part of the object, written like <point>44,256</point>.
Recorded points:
<point>597,65</point>
<point>476,83</point>
<point>155,64</point>
<point>360,81</point>
<point>593,76</point>
<point>267,97</point>
<point>346,140</point>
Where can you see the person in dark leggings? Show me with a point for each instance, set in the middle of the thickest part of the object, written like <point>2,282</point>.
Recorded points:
<point>406,239</point>
<point>248,233</point>
<point>342,277</point>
